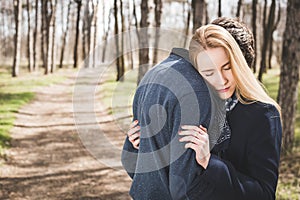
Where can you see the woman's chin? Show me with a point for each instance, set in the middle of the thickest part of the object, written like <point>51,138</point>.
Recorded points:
<point>224,95</point>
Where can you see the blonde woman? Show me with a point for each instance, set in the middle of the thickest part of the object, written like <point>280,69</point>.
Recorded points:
<point>247,166</point>
<point>244,162</point>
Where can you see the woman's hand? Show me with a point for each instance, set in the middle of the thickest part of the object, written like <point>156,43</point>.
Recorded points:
<point>197,139</point>
<point>134,134</point>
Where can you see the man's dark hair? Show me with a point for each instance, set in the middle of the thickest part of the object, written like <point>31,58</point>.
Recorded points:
<point>242,35</point>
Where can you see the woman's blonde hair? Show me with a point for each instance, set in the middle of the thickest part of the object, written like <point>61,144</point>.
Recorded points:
<point>248,88</point>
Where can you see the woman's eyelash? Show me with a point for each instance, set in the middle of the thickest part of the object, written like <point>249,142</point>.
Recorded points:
<point>209,74</point>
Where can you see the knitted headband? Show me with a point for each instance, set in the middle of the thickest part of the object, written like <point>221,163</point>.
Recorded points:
<point>242,35</point>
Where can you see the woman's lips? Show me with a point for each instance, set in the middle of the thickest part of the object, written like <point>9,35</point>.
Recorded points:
<point>224,90</point>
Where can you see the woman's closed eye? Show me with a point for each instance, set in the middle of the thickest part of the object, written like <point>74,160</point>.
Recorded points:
<point>227,68</point>
<point>209,73</point>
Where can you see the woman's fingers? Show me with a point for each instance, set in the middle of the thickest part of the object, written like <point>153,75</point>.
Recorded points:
<point>133,124</point>
<point>199,129</point>
<point>203,128</point>
<point>134,136</point>
<point>133,130</point>
<point>136,143</point>
<point>192,133</point>
<point>191,127</point>
<point>192,139</point>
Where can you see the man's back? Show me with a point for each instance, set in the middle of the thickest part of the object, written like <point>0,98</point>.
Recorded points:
<point>170,94</point>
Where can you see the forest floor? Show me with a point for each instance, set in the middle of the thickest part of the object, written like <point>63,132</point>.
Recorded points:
<point>47,158</point>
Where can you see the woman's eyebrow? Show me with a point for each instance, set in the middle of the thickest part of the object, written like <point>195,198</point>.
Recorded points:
<point>225,64</point>
<point>212,69</point>
<point>207,70</point>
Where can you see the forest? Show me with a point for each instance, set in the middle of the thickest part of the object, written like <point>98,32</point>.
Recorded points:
<point>43,39</point>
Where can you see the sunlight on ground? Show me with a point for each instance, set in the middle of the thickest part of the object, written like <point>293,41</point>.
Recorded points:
<point>16,92</point>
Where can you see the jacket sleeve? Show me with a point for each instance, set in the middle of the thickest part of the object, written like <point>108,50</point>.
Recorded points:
<point>259,180</point>
<point>184,171</point>
<point>129,153</point>
<point>129,157</point>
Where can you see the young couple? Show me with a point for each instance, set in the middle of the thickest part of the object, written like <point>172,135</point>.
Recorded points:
<point>203,126</point>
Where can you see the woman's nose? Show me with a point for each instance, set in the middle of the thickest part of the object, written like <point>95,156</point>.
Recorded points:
<point>222,78</point>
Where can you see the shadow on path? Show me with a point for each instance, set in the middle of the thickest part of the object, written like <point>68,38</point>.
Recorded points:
<point>47,159</point>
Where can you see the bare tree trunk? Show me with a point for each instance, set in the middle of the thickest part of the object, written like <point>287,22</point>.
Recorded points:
<point>53,46</point>
<point>272,38</point>
<point>64,40</point>
<point>44,33</point>
<point>158,11</point>
<point>35,37</point>
<point>120,67</point>
<point>95,31</point>
<point>188,19</point>
<point>143,41</point>
<point>92,31</point>
<point>75,55</point>
<point>122,62</point>
<point>254,12</point>
<point>136,24</point>
<point>106,35</point>
<point>49,38</point>
<point>4,20</point>
<point>289,75</point>
<point>130,45</point>
<point>206,13</point>
<point>29,38</point>
<point>18,21</point>
<point>198,13</point>
<point>238,12</point>
<point>266,42</point>
<point>117,39</point>
<point>270,27</point>
<point>220,8</point>
<point>85,32</point>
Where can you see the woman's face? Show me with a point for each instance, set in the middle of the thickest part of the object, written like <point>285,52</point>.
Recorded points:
<point>214,66</point>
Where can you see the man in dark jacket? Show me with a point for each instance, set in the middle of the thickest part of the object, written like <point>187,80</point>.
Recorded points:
<point>172,94</point>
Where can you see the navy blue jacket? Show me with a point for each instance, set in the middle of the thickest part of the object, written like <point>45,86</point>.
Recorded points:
<point>170,94</point>
<point>248,169</point>
<point>163,169</point>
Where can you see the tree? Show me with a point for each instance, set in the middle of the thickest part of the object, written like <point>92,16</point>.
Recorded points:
<point>271,38</point>
<point>36,36</point>
<point>17,51</point>
<point>266,38</point>
<point>238,12</point>
<point>44,32</point>
<point>94,25</point>
<point>75,54</point>
<point>254,12</point>
<point>119,64</point>
<point>85,32</point>
<point>220,9</point>
<point>65,32</point>
<point>198,13</point>
<point>157,16</point>
<point>53,35</point>
<point>289,75</point>
<point>50,33</point>
<point>106,32</point>
<point>122,62</point>
<point>29,38</point>
<point>130,54</point>
<point>188,19</point>
<point>143,41</point>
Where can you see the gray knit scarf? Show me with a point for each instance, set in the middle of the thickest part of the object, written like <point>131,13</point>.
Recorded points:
<point>224,139</point>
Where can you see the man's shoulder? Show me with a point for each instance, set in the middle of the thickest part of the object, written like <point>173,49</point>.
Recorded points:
<point>174,68</point>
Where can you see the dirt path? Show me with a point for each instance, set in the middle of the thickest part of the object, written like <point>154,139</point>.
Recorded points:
<point>48,160</point>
